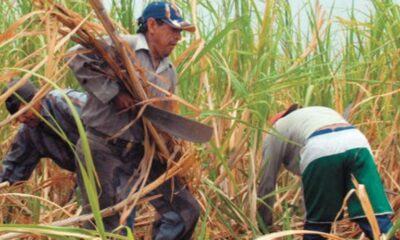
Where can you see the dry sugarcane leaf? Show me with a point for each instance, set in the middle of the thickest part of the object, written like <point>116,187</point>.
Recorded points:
<point>367,207</point>
<point>11,31</point>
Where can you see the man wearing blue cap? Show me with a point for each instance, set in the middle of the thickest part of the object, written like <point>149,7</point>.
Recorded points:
<point>105,115</point>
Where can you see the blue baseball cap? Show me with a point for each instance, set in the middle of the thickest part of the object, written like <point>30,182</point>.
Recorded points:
<point>167,12</point>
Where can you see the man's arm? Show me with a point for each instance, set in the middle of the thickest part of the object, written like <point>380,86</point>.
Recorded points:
<point>123,100</point>
<point>91,72</point>
<point>273,153</point>
<point>21,160</point>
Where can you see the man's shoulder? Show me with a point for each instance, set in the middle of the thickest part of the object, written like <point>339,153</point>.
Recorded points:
<point>25,132</point>
<point>136,41</point>
<point>58,95</point>
<point>53,93</point>
<point>130,38</point>
<point>65,91</point>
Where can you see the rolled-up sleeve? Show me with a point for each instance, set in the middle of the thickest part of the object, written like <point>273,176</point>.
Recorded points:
<point>21,160</point>
<point>87,69</point>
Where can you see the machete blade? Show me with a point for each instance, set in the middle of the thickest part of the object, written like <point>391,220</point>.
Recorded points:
<point>178,126</point>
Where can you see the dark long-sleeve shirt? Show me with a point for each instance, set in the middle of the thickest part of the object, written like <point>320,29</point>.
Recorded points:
<point>43,141</point>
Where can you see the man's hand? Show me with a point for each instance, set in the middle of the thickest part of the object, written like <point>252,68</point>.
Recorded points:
<point>107,47</point>
<point>123,101</point>
<point>4,184</point>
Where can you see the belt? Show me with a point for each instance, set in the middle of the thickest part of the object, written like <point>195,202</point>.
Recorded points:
<point>118,142</point>
<point>330,130</point>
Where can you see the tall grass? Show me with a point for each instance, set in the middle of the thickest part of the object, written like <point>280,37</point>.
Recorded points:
<point>248,60</point>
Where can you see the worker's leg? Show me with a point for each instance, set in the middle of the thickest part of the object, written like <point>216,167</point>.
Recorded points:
<point>125,184</point>
<point>319,227</point>
<point>178,209</point>
<point>108,161</point>
<point>128,175</point>
<point>105,163</point>
<point>363,168</point>
<point>384,224</point>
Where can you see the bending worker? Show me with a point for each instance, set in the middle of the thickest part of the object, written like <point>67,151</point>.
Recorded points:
<point>53,135</point>
<point>41,137</point>
<point>330,152</point>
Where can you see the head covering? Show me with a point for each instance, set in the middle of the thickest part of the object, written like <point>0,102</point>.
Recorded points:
<point>276,117</point>
<point>168,13</point>
<point>25,92</point>
<point>280,115</point>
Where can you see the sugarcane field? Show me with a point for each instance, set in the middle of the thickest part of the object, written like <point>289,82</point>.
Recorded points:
<point>200,119</point>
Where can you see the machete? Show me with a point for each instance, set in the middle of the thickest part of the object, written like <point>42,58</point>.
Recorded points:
<point>178,126</point>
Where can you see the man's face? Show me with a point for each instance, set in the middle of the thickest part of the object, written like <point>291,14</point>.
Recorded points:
<point>28,117</point>
<point>164,38</point>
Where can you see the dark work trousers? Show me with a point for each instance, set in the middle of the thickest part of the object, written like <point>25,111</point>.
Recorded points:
<point>179,211</point>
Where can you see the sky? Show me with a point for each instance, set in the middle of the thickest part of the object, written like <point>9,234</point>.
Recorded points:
<point>341,7</point>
